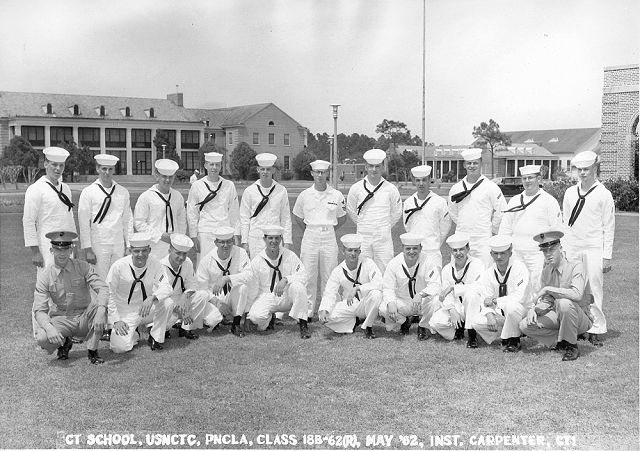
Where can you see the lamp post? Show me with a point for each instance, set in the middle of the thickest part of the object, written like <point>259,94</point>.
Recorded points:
<point>334,153</point>
<point>164,146</point>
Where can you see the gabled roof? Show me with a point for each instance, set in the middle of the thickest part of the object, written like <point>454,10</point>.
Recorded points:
<point>232,116</point>
<point>30,104</point>
<point>560,141</point>
<point>524,150</point>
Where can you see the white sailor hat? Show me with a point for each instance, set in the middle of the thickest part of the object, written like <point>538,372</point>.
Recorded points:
<point>272,229</point>
<point>471,154</point>
<point>374,156</point>
<point>530,169</point>
<point>584,159</point>
<point>166,166</point>
<point>104,159</point>
<point>421,171</point>
<point>500,243</point>
<point>548,238</point>
<point>410,239</point>
<point>320,165</point>
<point>266,160</point>
<point>56,154</point>
<point>61,239</point>
<point>213,157</point>
<point>458,240</point>
<point>181,242</point>
<point>351,240</point>
<point>224,233</point>
<point>140,239</point>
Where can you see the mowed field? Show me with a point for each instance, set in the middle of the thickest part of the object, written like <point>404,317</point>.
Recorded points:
<point>276,383</point>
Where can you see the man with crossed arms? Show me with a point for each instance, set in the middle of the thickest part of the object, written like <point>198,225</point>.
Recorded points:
<point>104,216</point>
<point>265,202</point>
<point>411,284</point>
<point>476,205</point>
<point>353,291</point>
<point>160,210</point>
<point>374,205</point>
<point>503,294</point>
<point>137,297</point>
<point>590,223</point>
<point>278,284</point>
<point>223,275</point>
<point>427,214</point>
<point>212,203</point>
<point>457,275</point>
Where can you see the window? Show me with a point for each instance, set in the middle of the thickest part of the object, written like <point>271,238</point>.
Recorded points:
<point>61,134</point>
<point>568,164</point>
<point>101,111</point>
<point>152,112</point>
<point>49,109</point>
<point>286,163</point>
<point>140,138</point>
<point>230,137</point>
<point>271,124</point>
<point>115,137</point>
<point>272,138</point>
<point>74,110</point>
<point>127,112</point>
<point>190,159</point>
<point>511,168</point>
<point>256,138</point>
<point>141,161</point>
<point>190,139</point>
<point>170,135</point>
<point>286,139</point>
<point>89,137</point>
<point>121,166</point>
<point>35,135</point>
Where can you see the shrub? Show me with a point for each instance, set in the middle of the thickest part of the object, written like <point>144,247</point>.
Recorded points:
<point>624,192</point>
<point>558,187</point>
<point>183,175</point>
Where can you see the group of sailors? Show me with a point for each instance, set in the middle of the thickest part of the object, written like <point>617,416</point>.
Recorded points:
<point>522,268</point>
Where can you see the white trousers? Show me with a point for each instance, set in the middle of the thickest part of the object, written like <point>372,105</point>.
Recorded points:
<point>206,243</point>
<point>378,247</point>
<point>480,250</point>
<point>425,310</point>
<point>441,319</point>
<point>319,254</point>
<point>256,245</point>
<point>343,317</point>
<point>293,300</point>
<point>159,316</point>
<point>235,302</point>
<point>534,261</point>
<point>106,254</point>
<point>591,258</point>
<point>160,249</point>
<point>198,305</point>
<point>508,325</point>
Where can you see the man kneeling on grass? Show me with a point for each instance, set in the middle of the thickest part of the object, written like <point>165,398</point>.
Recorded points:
<point>411,287</point>
<point>62,303</point>
<point>561,311</point>
<point>503,294</point>
<point>278,285</point>
<point>353,291</point>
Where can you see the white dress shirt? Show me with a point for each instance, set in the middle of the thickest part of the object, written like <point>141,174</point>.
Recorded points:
<point>320,208</point>
<point>150,213</point>
<point>239,270</point>
<point>432,222</point>
<point>517,283</point>
<point>276,211</point>
<point>370,278</point>
<point>222,210</point>
<point>396,282</point>
<point>380,212</point>
<point>480,213</point>
<point>291,267</point>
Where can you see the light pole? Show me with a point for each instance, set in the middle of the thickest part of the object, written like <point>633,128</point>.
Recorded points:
<point>164,146</point>
<point>334,153</point>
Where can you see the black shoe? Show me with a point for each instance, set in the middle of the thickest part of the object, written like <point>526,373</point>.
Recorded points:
<point>106,335</point>
<point>559,346</point>
<point>404,328</point>
<point>571,353</point>
<point>188,334</point>
<point>154,345</point>
<point>504,342</point>
<point>422,333</point>
<point>63,351</point>
<point>309,319</point>
<point>472,341</point>
<point>272,323</point>
<point>177,325</point>
<point>76,340</point>
<point>595,340</point>
<point>304,330</point>
<point>415,319</point>
<point>237,330</point>
<point>513,347</point>
<point>167,335</point>
<point>459,335</point>
<point>358,322</point>
<point>582,336</point>
<point>225,322</point>
<point>94,358</point>
<point>369,334</point>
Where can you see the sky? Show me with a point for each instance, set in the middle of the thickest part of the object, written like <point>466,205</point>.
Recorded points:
<point>528,64</point>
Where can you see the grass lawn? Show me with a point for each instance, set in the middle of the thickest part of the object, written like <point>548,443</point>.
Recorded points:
<point>275,383</point>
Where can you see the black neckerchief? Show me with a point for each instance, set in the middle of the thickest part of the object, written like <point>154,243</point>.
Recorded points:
<point>106,203</point>
<point>577,208</point>
<point>461,279</point>
<point>412,280</point>
<point>137,280</point>
<point>369,195</point>
<point>168,213</point>
<point>417,208</point>
<point>263,201</point>
<point>502,286</point>
<point>522,205</point>
<point>62,196</point>
<point>276,272</point>
<point>459,197</point>
<point>210,196</point>
<point>355,281</point>
<point>176,275</point>
<point>225,272</point>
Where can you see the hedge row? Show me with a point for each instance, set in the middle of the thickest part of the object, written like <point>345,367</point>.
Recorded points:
<point>624,191</point>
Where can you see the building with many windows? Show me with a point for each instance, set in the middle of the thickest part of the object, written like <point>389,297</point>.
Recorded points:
<point>126,127</point>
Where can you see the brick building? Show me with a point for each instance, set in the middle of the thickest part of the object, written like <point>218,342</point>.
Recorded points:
<point>619,121</point>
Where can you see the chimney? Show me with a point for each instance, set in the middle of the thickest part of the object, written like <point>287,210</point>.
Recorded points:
<point>175,98</point>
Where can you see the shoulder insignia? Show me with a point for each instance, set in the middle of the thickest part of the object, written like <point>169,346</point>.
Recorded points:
<point>520,283</point>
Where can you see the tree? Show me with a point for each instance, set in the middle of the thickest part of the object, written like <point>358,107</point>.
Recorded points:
<point>394,132</point>
<point>243,161</point>
<point>9,174</point>
<point>395,164</point>
<point>490,137</point>
<point>162,137</point>
<point>409,160</point>
<point>301,164</point>
<point>21,153</point>
<point>80,159</point>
